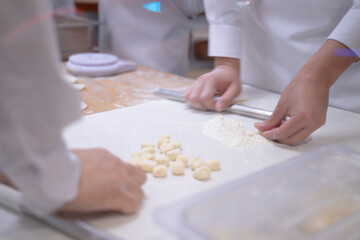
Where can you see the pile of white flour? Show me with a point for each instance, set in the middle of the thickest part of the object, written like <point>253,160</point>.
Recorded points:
<point>232,133</point>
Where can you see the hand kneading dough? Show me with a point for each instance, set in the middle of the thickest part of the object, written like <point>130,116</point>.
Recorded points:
<point>202,173</point>
<point>177,168</point>
<point>160,171</point>
<point>147,144</point>
<point>213,164</point>
<point>183,159</point>
<point>176,143</point>
<point>165,148</point>
<point>162,160</point>
<point>148,150</point>
<point>173,154</point>
<point>148,165</point>
<point>196,163</point>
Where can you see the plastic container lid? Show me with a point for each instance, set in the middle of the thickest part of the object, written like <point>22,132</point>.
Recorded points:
<point>313,196</point>
<point>93,59</point>
<point>98,65</point>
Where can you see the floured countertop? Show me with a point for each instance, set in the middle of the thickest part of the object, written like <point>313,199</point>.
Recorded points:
<point>127,89</point>
<point>122,131</point>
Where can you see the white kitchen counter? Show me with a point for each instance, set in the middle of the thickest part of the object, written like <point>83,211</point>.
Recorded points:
<point>122,132</point>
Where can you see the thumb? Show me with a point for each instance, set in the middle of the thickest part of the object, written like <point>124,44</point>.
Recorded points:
<point>273,121</point>
<point>226,99</point>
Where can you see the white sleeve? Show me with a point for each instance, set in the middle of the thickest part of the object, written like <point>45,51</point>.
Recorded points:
<point>225,20</point>
<point>35,105</point>
<point>348,30</point>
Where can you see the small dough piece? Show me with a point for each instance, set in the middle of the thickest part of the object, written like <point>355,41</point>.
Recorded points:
<point>151,150</point>
<point>148,165</point>
<point>164,138</point>
<point>135,160</point>
<point>196,163</point>
<point>160,171</point>
<point>213,164</point>
<point>148,156</point>
<point>167,136</point>
<point>162,159</point>
<point>176,143</point>
<point>162,141</point>
<point>173,154</point>
<point>177,168</point>
<point>147,144</point>
<point>69,78</point>
<point>183,159</point>
<point>136,154</point>
<point>202,173</point>
<point>78,86</point>
<point>83,105</point>
<point>166,147</point>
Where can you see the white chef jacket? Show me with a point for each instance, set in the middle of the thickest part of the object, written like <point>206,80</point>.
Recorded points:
<point>35,105</point>
<point>275,38</point>
<point>157,40</point>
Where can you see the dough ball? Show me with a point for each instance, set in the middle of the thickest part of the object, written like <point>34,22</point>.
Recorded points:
<point>136,160</point>
<point>147,144</point>
<point>213,164</point>
<point>148,150</point>
<point>183,159</point>
<point>160,171</point>
<point>148,165</point>
<point>138,154</point>
<point>69,78</point>
<point>173,154</point>
<point>164,138</point>
<point>202,173</point>
<point>176,143</point>
<point>148,156</point>
<point>78,86</point>
<point>83,105</point>
<point>167,136</point>
<point>177,168</point>
<point>165,148</point>
<point>196,163</point>
<point>162,141</point>
<point>162,160</point>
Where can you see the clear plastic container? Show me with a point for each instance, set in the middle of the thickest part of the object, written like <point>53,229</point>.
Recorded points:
<point>313,196</point>
<point>75,34</point>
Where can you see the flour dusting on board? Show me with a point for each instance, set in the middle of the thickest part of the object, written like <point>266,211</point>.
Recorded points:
<point>232,133</point>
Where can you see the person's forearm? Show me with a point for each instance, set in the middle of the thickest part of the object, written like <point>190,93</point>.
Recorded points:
<point>326,62</point>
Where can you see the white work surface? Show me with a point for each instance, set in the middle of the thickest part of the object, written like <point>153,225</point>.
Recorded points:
<point>123,131</point>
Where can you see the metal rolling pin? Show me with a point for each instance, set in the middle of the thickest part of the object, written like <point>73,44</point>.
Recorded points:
<point>237,109</point>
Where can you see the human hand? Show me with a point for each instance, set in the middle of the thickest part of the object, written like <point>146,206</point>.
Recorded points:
<point>305,102</point>
<point>305,99</point>
<point>106,184</point>
<point>224,79</point>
